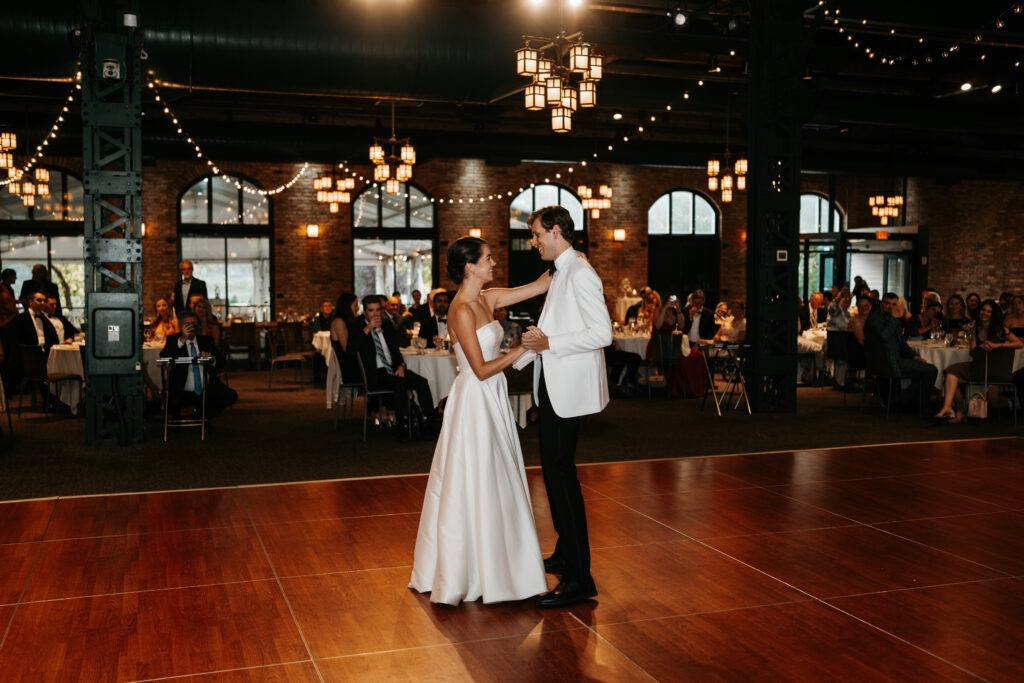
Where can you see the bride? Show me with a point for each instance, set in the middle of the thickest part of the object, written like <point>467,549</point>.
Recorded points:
<point>477,536</point>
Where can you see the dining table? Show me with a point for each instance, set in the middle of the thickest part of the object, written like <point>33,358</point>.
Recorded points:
<point>622,305</point>
<point>68,359</point>
<point>942,356</point>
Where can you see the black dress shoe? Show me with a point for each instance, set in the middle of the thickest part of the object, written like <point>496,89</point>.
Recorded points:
<point>567,593</point>
<point>554,565</point>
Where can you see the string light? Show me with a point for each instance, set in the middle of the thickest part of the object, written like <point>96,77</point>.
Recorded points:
<point>16,174</point>
<point>214,168</point>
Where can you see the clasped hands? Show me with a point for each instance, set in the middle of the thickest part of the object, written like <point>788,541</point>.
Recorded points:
<point>534,339</point>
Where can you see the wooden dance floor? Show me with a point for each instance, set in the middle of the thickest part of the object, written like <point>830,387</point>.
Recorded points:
<point>897,562</point>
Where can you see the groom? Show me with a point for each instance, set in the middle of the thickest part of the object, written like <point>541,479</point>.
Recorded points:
<point>569,381</point>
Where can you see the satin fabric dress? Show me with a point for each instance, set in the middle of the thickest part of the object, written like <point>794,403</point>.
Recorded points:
<point>477,536</point>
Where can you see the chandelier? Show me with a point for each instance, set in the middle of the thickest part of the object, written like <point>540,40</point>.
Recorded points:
<point>36,185</point>
<point>885,206</point>
<point>392,169</point>
<point>551,64</point>
<point>333,191</point>
<point>593,204</point>
<point>726,182</point>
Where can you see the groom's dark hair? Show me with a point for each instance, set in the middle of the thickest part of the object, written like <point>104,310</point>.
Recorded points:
<point>550,216</point>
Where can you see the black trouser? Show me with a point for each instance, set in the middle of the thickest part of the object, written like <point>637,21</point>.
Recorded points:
<point>218,397</point>
<point>410,382</point>
<point>558,437</point>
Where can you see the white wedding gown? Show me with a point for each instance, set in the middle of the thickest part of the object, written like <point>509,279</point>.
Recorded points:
<point>477,536</point>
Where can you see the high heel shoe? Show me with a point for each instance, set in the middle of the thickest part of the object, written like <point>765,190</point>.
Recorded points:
<point>945,415</point>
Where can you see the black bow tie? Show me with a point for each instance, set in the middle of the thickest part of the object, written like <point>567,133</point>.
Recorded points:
<point>552,268</point>
<point>441,319</point>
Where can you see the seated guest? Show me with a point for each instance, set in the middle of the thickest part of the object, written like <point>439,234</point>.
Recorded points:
<point>322,321</point>
<point>865,304</point>
<point>649,308</point>
<point>435,328</point>
<point>423,313</point>
<point>33,327</point>
<point>839,311</point>
<point>734,325</point>
<point>902,313</point>
<point>634,311</point>
<point>926,322</point>
<point>393,311</point>
<point>200,305</point>
<point>376,343</point>
<point>1015,318</point>
<point>1004,301</point>
<point>186,383</point>
<point>883,328</point>
<point>416,296</point>
<point>989,333</point>
<point>65,330</point>
<point>700,323</point>
<point>345,311</point>
<point>512,333</point>
<point>812,312</point>
<point>973,304</point>
<point>956,314</point>
<point>809,345</point>
<point>165,324</point>
<point>930,296</point>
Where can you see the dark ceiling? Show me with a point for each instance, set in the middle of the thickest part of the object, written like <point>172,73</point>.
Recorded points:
<point>313,80</point>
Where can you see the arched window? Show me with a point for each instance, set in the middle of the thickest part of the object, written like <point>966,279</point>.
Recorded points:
<point>224,230</point>
<point>683,251</point>
<point>814,215</point>
<point>50,232</point>
<point>394,241</point>
<point>524,264</point>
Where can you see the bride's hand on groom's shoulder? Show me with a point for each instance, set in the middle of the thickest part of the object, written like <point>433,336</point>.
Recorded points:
<point>582,256</point>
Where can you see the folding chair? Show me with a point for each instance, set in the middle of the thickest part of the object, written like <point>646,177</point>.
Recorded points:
<point>33,368</point>
<point>367,393</point>
<point>283,351</point>
<point>178,421</point>
<point>994,368</point>
<point>344,387</point>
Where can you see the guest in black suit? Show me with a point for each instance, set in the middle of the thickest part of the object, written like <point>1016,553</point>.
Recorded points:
<point>376,343</point>
<point>66,331</point>
<point>40,282</point>
<point>33,328</point>
<point>436,326</point>
<point>883,327</point>
<point>186,287</point>
<point>185,384</point>
<point>700,322</point>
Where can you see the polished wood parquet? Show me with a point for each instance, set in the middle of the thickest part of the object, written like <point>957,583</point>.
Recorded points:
<point>897,562</point>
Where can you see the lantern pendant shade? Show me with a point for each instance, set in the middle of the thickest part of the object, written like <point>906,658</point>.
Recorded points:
<point>376,154</point>
<point>381,172</point>
<point>596,68</point>
<point>334,207</point>
<point>28,188</point>
<point>322,183</point>
<point>713,167</point>
<point>403,172</point>
<point>346,198</point>
<point>14,188</point>
<point>595,213</point>
<point>6,160</point>
<point>579,58</point>
<point>8,141</point>
<point>535,99</point>
<point>713,183</point>
<point>588,93</point>
<point>30,200</point>
<point>526,61</point>
<point>569,98</point>
<point>741,166</point>
<point>392,186</point>
<point>43,190</point>
<point>408,154</point>
<point>727,182</point>
<point>741,182</point>
<point>543,69</point>
<point>726,196</point>
<point>553,91</point>
<point>561,120</point>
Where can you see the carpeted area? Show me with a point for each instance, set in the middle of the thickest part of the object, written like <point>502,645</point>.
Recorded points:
<point>288,435</point>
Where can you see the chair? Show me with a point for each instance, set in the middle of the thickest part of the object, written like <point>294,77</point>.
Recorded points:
<point>343,385</point>
<point>876,364</point>
<point>995,368</point>
<point>178,421</point>
<point>367,393</point>
<point>842,346</point>
<point>33,371</point>
<point>282,352</point>
<point>245,336</point>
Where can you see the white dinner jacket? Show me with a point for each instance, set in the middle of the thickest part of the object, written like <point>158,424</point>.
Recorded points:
<point>578,328</point>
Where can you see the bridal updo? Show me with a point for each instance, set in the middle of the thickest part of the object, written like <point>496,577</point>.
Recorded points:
<point>461,252</point>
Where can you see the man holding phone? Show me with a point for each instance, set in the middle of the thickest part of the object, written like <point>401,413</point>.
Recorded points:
<point>188,382</point>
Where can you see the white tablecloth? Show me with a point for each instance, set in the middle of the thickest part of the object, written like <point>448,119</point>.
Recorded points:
<point>322,343</point>
<point>440,370</point>
<point>622,304</point>
<point>66,359</point>
<point>150,354</point>
<point>633,344</point>
<point>943,356</point>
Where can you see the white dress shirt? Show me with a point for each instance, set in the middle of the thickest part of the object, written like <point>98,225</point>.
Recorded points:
<point>185,286</point>
<point>694,333</point>
<point>57,325</point>
<point>442,327</point>
<point>37,320</point>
